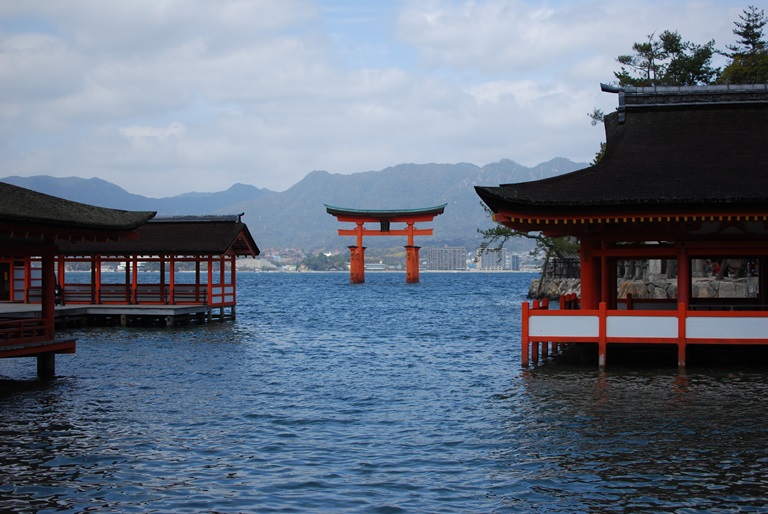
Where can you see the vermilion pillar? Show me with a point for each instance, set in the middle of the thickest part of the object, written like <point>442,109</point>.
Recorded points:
<point>590,277</point>
<point>356,264</point>
<point>412,264</point>
<point>683,277</point>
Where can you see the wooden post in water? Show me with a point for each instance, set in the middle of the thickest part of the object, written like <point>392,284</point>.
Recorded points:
<point>525,336</point>
<point>412,264</point>
<point>602,343</point>
<point>46,365</point>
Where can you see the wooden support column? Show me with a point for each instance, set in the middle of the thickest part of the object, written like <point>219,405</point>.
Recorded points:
<point>602,342</point>
<point>683,277</point>
<point>172,281</point>
<point>233,279</point>
<point>127,282</point>
<point>46,365</point>
<point>357,257</point>
<point>96,273</point>
<point>210,283</point>
<point>613,283</point>
<point>197,278</point>
<point>163,283</point>
<point>682,311</point>
<point>412,264</point>
<point>48,294</point>
<point>590,279</point>
<point>61,263</point>
<point>27,277</point>
<point>605,278</point>
<point>526,337</point>
<point>46,362</point>
<point>356,264</point>
<point>223,275</point>
<point>133,263</point>
<point>762,278</point>
<point>683,301</point>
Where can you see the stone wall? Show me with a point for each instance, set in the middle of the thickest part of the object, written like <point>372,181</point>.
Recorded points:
<point>552,288</point>
<point>658,288</point>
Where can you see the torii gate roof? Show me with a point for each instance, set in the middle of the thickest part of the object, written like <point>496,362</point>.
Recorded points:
<point>384,214</point>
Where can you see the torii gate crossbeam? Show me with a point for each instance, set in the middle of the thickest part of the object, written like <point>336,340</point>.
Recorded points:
<point>384,218</point>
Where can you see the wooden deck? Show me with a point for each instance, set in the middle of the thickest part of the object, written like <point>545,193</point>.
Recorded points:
<point>124,315</point>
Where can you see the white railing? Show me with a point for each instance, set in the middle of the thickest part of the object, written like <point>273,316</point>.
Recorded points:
<point>544,329</point>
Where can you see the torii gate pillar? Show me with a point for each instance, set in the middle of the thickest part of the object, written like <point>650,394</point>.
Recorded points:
<point>412,264</point>
<point>384,218</point>
<point>356,264</point>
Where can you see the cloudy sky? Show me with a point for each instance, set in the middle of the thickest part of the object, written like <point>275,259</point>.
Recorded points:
<point>164,97</point>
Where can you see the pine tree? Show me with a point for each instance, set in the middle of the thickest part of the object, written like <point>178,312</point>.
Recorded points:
<point>667,61</point>
<point>750,32</point>
<point>749,57</point>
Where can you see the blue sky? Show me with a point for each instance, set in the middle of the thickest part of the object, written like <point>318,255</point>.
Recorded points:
<point>164,97</point>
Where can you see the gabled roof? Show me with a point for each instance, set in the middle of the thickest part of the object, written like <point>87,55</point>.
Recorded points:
<point>683,149</point>
<point>23,211</point>
<point>185,235</point>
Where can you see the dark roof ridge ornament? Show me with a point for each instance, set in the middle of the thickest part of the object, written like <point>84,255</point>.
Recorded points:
<point>609,88</point>
<point>644,97</point>
<point>200,218</point>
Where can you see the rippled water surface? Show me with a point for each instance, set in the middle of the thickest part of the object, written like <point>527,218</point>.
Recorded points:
<point>383,397</point>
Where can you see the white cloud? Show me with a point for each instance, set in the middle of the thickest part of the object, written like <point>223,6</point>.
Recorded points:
<point>135,132</point>
<point>166,96</point>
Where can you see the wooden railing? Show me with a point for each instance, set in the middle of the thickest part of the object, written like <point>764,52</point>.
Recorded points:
<point>544,329</point>
<point>190,294</point>
<point>154,294</point>
<point>20,331</point>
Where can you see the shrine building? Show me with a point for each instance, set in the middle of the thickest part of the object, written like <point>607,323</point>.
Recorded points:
<point>62,261</point>
<point>195,260</point>
<point>32,226</point>
<point>683,180</point>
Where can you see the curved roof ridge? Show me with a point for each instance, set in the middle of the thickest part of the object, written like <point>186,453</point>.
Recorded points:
<point>438,209</point>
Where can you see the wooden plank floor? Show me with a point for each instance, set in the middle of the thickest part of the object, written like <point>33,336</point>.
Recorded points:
<point>126,313</point>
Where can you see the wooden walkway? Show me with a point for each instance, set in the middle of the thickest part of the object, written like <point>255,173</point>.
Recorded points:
<point>124,315</point>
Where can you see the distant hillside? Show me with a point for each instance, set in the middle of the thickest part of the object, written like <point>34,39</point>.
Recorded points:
<point>99,192</point>
<point>296,218</point>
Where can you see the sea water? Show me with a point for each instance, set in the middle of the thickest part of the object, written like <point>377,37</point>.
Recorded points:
<point>324,396</point>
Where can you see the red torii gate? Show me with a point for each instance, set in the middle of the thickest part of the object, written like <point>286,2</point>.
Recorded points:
<point>384,218</point>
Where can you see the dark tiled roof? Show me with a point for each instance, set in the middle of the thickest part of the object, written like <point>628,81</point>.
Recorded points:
<point>23,206</point>
<point>188,235</point>
<point>384,213</point>
<point>682,148</point>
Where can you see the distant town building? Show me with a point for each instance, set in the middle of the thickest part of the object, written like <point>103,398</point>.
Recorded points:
<point>447,259</point>
<point>498,260</point>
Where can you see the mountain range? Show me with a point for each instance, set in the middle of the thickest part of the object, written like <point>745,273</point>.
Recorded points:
<point>296,217</point>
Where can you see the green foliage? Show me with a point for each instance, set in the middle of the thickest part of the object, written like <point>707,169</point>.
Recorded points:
<point>667,60</point>
<point>750,32</point>
<point>597,116</point>
<point>749,57</point>
<point>497,236</point>
<point>599,155</point>
<point>322,262</point>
